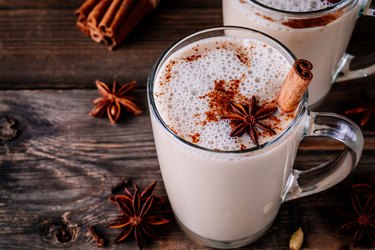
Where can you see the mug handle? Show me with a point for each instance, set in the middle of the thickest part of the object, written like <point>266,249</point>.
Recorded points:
<point>306,182</point>
<point>343,73</point>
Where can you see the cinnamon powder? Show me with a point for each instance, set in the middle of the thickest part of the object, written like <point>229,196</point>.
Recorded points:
<point>312,22</point>
<point>219,98</point>
<point>195,137</point>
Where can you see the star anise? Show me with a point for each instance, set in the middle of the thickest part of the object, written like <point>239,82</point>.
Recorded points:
<point>366,107</point>
<point>362,220</point>
<point>246,118</point>
<point>112,101</point>
<point>367,190</point>
<point>139,213</point>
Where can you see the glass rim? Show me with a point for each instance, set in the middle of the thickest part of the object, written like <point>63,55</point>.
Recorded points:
<point>298,14</point>
<point>151,100</point>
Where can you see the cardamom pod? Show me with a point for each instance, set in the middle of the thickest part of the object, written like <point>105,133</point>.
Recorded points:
<point>296,240</point>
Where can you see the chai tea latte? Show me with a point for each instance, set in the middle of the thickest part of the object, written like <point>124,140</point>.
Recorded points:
<point>316,30</point>
<point>224,191</point>
<point>194,88</point>
<point>191,91</point>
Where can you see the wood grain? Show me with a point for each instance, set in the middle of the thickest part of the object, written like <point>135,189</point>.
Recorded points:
<point>66,161</point>
<point>56,160</point>
<point>72,4</point>
<point>42,47</point>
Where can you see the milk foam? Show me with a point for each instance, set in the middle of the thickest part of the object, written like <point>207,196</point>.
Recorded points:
<point>187,79</point>
<point>297,5</point>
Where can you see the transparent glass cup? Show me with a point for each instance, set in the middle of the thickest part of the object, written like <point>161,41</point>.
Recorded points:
<point>319,36</point>
<point>227,199</point>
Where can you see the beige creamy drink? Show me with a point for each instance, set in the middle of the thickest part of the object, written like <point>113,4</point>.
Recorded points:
<point>195,86</point>
<point>225,191</point>
<point>319,37</point>
<point>210,192</point>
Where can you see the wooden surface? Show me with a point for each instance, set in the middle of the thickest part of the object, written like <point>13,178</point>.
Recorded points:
<point>55,159</point>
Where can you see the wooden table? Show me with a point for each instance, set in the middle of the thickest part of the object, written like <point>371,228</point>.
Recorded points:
<point>55,158</point>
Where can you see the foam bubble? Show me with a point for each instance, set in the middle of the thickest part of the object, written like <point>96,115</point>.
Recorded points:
<point>189,76</point>
<point>297,5</point>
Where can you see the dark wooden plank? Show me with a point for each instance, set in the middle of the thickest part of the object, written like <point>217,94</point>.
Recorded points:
<point>71,4</point>
<point>44,49</point>
<point>66,161</point>
<point>39,4</point>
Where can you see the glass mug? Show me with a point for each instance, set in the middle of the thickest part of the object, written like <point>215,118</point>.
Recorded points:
<point>227,199</point>
<point>318,36</point>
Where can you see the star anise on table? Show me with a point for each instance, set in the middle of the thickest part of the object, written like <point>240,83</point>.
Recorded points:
<point>365,108</point>
<point>114,100</point>
<point>246,118</point>
<point>367,190</point>
<point>362,220</point>
<point>139,214</point>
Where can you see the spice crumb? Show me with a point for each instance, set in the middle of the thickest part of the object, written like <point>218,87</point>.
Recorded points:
<point>195,137</point>
<point>99,241</point>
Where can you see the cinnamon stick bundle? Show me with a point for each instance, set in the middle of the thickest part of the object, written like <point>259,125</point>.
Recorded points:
<point>294,86</point>
<point>111,21</point>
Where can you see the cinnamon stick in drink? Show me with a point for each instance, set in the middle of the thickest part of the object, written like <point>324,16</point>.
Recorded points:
<point>294,86</point>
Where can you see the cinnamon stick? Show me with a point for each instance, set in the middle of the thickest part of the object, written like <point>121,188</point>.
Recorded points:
<point>110,21</point>
<point>122,27</point>
<point>85,9</point>
<point>115,13</point>
<point>82,14</point>
<point>83,27</point>
<point>294,86</point>
<point>94,18</point>
<point>95,34</point>
<point>97,13</point>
